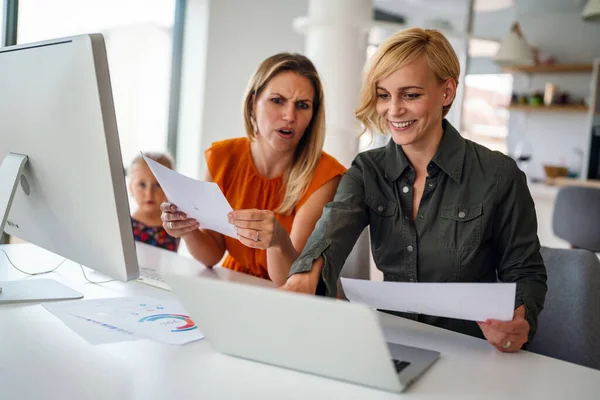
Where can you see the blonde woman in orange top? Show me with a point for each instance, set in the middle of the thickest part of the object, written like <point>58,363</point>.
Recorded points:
<point>277,179</point>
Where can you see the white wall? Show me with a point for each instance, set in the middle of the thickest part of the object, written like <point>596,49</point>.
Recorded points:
<point>227,40</point>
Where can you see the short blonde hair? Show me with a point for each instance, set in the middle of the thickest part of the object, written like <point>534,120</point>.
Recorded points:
<point>308,153</point>
<point>164,159</point>
<point>395,52</point>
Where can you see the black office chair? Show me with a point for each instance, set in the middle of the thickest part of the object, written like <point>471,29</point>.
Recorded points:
<point>569,325</point>
<point>576,217</point>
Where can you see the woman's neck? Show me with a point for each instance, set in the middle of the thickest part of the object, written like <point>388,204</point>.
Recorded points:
<point>149,219</point>
<point>269,162</point>
<point>420,154</point>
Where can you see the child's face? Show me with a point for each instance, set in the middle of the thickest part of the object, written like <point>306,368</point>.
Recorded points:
<point>145,189</point>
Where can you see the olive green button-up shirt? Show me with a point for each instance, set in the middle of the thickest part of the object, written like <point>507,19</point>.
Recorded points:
<point>476,223</point>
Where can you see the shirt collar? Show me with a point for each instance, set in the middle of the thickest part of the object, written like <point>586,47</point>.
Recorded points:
<point>449,157</point>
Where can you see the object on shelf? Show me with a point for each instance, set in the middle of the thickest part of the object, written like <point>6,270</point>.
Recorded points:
<point>549,93</point>
<point>555,171</point>
<point>523,154</point>
<point>575,163</point>
<point>545,59</point>
<point>536,98</point>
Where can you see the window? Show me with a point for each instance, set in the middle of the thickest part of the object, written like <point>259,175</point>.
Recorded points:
<point>485,118</point>
<point>138,35</point>
<point>2,23</point>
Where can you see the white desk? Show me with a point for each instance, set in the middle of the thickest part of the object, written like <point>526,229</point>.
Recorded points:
<point>41,358</point>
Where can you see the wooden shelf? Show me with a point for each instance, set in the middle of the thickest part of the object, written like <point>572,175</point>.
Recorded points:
<point>557,107</point>
<point>549,68</point>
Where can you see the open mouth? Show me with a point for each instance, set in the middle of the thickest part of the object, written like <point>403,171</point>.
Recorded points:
<point>285,133</point>
<point>402,125</point>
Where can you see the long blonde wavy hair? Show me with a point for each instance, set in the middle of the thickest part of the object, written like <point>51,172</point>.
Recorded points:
<point>308,152</point>
<point>398,50</point>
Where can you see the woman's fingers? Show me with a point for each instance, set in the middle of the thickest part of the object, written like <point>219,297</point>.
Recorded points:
<point>504,342</point>
<point>249,234</point>
<point>179,228</point>
<point>168,207</point>
<point>167,216</point>
<point>176,223</point>
<point>253,219</point>
<point>254,238</point>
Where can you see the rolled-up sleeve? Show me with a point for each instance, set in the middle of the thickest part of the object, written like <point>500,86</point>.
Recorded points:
<point>337,230</point>
<point>517,244</point>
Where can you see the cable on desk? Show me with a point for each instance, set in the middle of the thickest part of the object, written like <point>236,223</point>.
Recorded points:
<point>31,273</point>
<point>94,282</point>
<point>52,270</point>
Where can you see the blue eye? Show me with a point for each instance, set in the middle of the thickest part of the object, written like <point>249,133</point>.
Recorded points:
<point>412,96</point>
<point>277,100</point>
<point>302,105</point>
<point>383,96</point>
<point>142,185</point>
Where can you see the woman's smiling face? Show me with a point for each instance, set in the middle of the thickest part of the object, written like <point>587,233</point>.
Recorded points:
<point>410,102</point>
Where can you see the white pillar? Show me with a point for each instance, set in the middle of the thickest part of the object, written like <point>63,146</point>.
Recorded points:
<point>336,42</point>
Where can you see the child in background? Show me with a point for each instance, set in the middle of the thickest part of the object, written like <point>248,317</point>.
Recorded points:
<point>145,189</point>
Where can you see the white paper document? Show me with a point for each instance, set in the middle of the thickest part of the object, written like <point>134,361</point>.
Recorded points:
<point>200,200</point>
<point>93,331</point>
<point>160,320</point>
<point>470,301</point>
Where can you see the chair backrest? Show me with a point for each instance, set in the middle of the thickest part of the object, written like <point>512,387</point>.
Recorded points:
<point>569,325</point>
<point>576,217</point>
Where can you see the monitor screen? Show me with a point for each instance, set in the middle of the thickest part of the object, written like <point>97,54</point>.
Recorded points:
<point>57,120</point>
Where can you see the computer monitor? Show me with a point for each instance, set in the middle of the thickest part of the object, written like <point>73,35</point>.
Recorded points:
<point>62,181</point>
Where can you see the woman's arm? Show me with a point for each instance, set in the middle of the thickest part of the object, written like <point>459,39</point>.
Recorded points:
<point>281,257</point>
<point>204,245</point>
<point>517,249</point>
<point>260,229</point>
<point>335,234</point>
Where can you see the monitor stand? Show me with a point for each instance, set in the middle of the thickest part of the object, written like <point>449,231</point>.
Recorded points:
<point>24,290</point>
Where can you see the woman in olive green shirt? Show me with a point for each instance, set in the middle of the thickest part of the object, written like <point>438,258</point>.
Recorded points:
<point>441,208</point>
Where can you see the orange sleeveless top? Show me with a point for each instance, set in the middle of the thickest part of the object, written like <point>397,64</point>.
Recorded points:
<point>231,167</point>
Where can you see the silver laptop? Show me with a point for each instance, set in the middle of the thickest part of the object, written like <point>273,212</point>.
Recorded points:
<point>325,337</point>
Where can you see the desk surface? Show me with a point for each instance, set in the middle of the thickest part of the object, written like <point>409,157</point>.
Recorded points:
<point>40,357</point>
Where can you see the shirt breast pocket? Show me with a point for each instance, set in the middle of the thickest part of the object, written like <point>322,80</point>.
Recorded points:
<point>381,218</point>
<point>460,226</point>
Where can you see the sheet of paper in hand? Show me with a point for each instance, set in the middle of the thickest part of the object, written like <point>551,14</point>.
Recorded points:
<point>200,200</point>
<point>470,301</point>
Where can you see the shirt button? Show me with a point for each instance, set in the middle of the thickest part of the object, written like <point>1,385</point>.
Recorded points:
<point>431,185</point>
<point>405,189</point>
<point>462,214</point>
<point>411,279</point>
<point>380,208</point>
<point>406,217</point>
<point>421,216</point>
<point>409,249</point>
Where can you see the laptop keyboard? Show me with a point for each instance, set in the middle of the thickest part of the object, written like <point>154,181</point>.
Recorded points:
<point>400,365</point>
